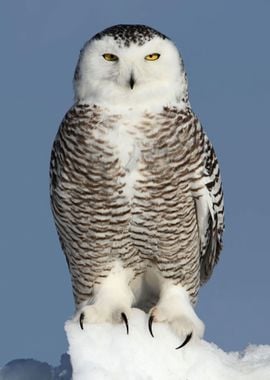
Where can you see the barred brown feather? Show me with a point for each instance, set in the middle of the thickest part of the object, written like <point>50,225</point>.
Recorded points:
<point>161,223</point>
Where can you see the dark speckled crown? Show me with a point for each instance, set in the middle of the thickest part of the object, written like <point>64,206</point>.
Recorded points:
<point>127,34</point>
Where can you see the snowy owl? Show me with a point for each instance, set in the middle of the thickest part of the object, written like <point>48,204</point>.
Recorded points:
<point>135,190</point>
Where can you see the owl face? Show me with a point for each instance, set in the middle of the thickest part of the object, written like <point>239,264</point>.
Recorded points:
<point>134,68</point>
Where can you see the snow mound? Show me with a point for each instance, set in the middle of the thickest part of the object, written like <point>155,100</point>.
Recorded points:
<point>105,351</point>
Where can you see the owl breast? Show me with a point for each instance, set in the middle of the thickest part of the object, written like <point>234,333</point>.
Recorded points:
<point>155,182</point>
<point>121,189</point>
<point>125,141</point>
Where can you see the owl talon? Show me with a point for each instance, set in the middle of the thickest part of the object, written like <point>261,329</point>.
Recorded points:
<point>150,322</point>
<point>188,337</point>
<point>125,320</point>
<point>81,320</point>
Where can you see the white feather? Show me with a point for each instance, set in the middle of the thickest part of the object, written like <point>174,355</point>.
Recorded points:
<point>107,83</point>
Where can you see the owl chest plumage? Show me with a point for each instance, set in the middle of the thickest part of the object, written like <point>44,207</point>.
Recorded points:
<point>123,185</point>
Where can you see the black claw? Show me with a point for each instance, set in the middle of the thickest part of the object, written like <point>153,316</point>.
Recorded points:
<point>81,320</point>
<point>188,337</point>
<point>125,320</point>
<point>150,322</point>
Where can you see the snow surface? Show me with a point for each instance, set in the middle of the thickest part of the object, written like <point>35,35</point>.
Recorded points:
<point>105,351</point>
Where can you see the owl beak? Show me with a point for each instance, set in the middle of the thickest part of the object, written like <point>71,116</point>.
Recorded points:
<point>131,81</point>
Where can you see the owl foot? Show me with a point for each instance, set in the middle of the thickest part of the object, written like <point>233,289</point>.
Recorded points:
<point>187,338</point>
<point>94,314</point>
<point>123,315</point>
<point>174,308</point>
<point>125,320</point>
<point>111,301</point>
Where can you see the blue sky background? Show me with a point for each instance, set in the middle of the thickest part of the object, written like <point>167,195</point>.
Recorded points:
<point>225,46</point>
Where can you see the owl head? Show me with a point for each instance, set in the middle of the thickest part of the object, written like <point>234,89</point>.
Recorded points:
<point>130,66</point>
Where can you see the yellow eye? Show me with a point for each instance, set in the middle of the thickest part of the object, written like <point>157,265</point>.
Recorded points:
<point>110,57</point>
<point>152,57</point>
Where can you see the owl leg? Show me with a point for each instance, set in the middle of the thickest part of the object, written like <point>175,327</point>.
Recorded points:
<point>112,299</point>
<point>175,308</point>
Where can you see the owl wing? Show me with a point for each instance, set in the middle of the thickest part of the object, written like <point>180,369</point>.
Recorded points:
<point>62,183</point>
<point>210,209</point>
<point>55,169</point>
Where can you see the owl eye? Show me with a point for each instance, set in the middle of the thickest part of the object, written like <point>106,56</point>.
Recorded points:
<point>110,57</point>
<point>152,57</point>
